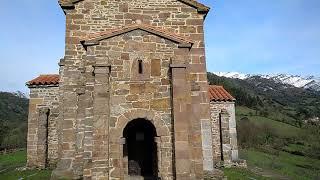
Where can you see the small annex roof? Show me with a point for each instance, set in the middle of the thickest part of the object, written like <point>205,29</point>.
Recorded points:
<point>44,79</point>
<point>67,4</point>
<point>94,39</point>
<point>218,94</point>
<point>215,93</point>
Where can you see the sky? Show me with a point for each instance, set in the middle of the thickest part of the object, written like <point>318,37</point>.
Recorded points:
<point>247,36</point>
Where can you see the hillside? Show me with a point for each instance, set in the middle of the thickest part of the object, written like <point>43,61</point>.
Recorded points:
<point>287,103</point>
<point>13,120</point>
<point>308,82</point>
<point>278,130</point>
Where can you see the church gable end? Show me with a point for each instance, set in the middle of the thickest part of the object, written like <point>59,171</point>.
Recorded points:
<point>131,98</point>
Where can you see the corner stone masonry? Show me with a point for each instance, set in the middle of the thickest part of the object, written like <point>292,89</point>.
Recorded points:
<point>129,65</point>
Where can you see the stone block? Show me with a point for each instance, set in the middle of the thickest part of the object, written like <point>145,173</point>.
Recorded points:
<point>141,104</point>
<point>132,97</point>
<point>33,101</point>
<point>155,67</point>
<point>137,88</point>
<point>160,104</point>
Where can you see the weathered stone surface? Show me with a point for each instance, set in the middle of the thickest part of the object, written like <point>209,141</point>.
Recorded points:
<point>40,123</point>
<point>155,67</point>
<point>159,104</point>
<point>109,82</point>
<point>223,125</point>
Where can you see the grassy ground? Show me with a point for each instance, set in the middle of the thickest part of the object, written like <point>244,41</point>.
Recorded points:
<point>289,165</point>
<point>282,129</point>
<point>275,161</point>
<point>10,165</point>
<point>239,174</point>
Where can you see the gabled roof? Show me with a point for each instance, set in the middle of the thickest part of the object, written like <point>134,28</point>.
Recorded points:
<point>218,93</point>
<point>66,4</point>
<point>95,38</point>
<point>45,79</point>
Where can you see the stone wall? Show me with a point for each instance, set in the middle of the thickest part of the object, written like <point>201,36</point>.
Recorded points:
<point>101,89</point>
<point>42,136</point>
<point>146,95</point>
<point>224,134</point>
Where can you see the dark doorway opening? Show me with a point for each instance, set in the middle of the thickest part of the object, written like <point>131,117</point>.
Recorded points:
<point>141,148</point>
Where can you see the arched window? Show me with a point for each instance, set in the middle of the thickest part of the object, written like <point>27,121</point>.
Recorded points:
<point>140,66</point>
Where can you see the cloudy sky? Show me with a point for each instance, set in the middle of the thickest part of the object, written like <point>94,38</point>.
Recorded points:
<point>248,36</point>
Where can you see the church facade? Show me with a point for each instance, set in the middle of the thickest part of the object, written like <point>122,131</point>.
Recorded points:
<point>132,97</point>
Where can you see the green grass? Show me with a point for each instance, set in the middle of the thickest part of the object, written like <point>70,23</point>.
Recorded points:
<point>242,110</point>
<point>295,167</point>
<point>295,148</point>
<point>13,160</point>
<point>282,159</point>
<point>282,129</point>
<point>239,173</point>
<point>10,162</point>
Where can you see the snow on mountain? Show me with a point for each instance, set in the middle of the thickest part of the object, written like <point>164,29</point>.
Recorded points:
<point>235,75</point>
<point>310,82</point>
<point>296,81</point>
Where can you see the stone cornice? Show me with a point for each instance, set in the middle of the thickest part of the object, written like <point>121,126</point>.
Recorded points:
<point>68,4</point>
<point>41,86</point>
<point>96,38</point>
<point>201,8</point>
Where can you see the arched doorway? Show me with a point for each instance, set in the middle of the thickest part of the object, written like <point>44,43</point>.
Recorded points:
<point>140,148</point>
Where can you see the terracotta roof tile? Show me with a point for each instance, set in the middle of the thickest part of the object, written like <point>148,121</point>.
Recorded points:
<point>45,79</point>
<point>218,93</point>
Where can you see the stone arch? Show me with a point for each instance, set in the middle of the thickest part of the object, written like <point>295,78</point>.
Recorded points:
<point>117,139</point>
<point>161,128</point>
<point>140,149</point>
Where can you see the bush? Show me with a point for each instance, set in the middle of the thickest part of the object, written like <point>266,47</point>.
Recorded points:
<point>247,132</point>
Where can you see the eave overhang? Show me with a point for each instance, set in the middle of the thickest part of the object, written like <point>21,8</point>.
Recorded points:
<point>44,80</point>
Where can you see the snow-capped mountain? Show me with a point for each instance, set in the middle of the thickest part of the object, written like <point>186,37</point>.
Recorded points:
<point>310,82</point>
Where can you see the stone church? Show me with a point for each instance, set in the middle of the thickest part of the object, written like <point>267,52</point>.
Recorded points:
<point>131,100</point>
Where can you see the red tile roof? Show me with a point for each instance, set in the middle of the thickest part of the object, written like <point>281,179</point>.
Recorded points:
<point>45,79</point>
<point>218,93</point>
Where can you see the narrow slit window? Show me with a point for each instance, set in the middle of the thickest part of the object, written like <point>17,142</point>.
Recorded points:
<point>140,67</point>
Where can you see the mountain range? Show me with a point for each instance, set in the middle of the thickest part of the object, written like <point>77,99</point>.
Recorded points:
<point>309,82</point>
